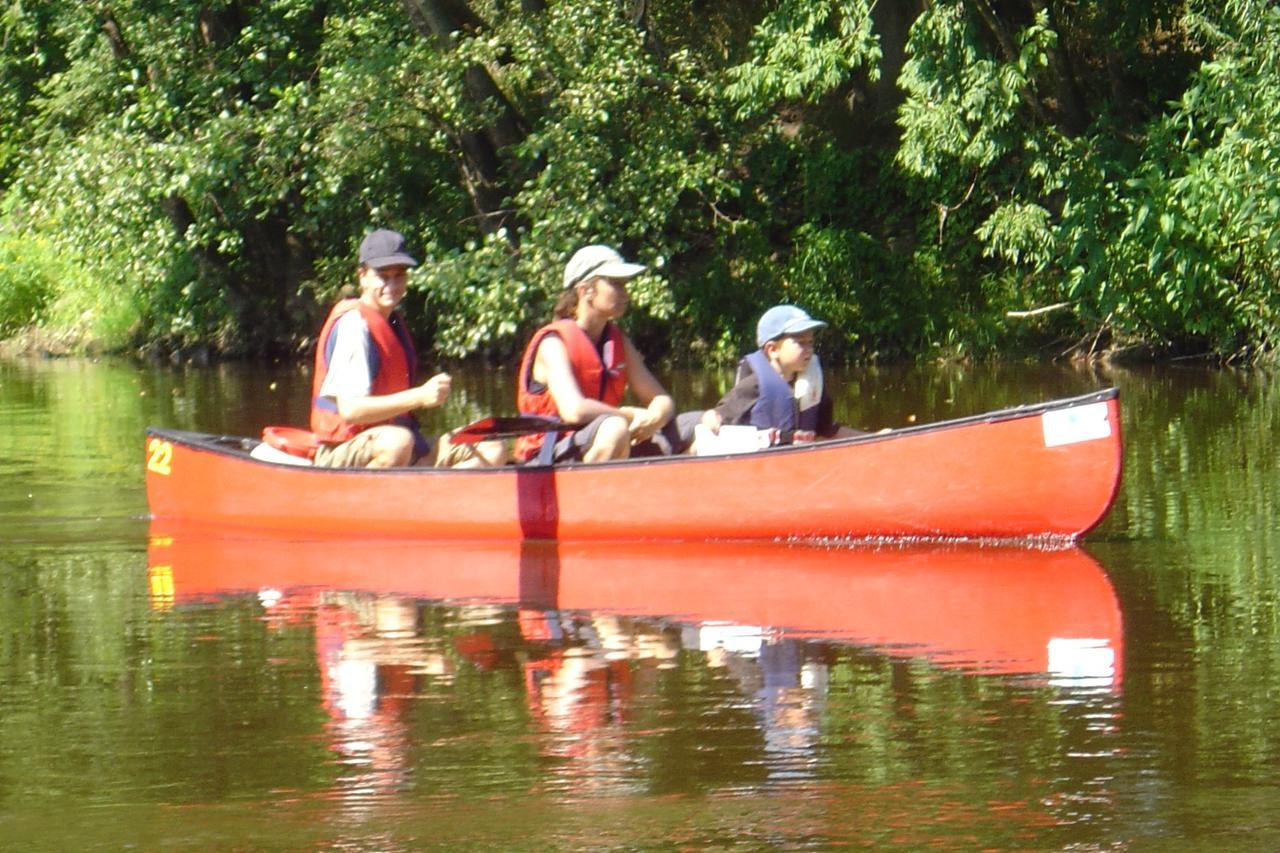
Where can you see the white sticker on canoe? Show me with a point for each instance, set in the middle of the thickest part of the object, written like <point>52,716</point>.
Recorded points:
<point>1081,423</point>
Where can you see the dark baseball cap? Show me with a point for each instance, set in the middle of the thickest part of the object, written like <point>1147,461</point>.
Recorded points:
<point>384,248</point>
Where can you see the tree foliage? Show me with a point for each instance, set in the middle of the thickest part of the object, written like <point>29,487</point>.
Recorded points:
<point>199,171</point>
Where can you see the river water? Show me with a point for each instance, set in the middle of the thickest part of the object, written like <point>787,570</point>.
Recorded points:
<point>160,689</point>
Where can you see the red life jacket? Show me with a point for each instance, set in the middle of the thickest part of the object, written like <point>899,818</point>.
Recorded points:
<point>393,366</point>
<point>601,375</point>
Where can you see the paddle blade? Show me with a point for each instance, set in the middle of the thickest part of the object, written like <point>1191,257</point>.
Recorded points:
<point>504,427</point>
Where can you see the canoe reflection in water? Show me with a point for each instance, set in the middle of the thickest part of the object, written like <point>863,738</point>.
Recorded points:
<point>592,626</point>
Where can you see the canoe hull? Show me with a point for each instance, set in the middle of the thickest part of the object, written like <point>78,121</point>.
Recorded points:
<point>1047,471</point>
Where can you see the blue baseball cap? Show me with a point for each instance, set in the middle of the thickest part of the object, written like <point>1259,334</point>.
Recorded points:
<point>784,320</point>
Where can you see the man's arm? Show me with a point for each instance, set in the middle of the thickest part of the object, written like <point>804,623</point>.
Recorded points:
<point>348,382</point>
<point>370,409</point>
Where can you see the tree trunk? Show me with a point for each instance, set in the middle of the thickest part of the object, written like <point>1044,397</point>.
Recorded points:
<point>1009,49</point>
<point>119,48</point>
<point>219,27</point>
<point>1071,105</point>
<point>480,147</point>
<point>275,263</point>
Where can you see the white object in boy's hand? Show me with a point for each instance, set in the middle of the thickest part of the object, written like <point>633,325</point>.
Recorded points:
<point>731,439</point>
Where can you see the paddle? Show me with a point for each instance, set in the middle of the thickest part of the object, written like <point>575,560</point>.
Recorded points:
<point>504,427</point>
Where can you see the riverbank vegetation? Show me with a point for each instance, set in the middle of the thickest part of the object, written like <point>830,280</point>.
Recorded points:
<point>951,178</point>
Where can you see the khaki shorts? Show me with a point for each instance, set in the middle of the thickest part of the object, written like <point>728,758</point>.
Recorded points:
<point>443,452</point>
<point>446,453</point>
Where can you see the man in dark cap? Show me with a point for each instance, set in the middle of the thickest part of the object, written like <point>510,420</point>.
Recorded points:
<point>365,387</point>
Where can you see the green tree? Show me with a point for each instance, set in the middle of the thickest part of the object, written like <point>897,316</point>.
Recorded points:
<point>192,172</point>
<point>1150,226</point>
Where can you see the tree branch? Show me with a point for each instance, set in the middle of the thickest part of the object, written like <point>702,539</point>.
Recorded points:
<point>1035,312</point>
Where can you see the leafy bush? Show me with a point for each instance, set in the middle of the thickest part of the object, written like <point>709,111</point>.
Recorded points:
<point>26,282</point>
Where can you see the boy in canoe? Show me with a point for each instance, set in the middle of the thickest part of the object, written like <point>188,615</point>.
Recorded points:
<point>779,387</point>
<point>579,367</point>
<point>365,387</point>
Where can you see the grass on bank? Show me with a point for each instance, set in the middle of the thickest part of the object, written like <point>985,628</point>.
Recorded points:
<point>50,304</point>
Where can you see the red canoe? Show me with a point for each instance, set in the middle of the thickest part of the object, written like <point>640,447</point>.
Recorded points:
<point>1046,471</point>
<point>981,608</point>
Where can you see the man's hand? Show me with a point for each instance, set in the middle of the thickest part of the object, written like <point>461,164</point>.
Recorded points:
<point>434,391</point>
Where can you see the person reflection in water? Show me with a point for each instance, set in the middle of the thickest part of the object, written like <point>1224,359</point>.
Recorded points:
<point>787,678</point>
<point>580,680</point>
<point>371,659</point>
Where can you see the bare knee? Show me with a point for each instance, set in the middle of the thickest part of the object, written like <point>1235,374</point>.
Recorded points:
<point>392,448</point>
<point>486,454</point>
<point>494,453</point>
<point>612,441</point>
